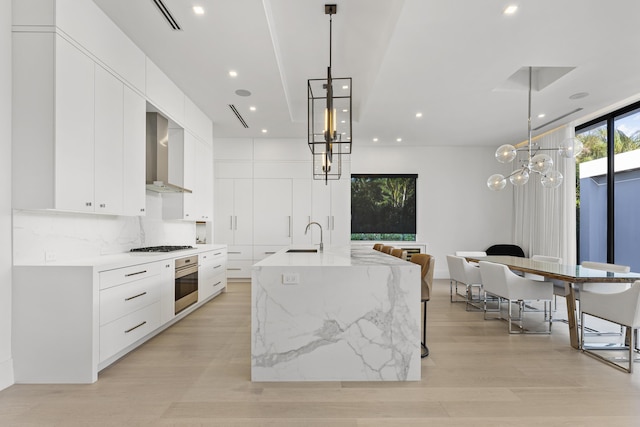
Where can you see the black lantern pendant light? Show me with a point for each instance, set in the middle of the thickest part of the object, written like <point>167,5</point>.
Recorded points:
<point>329,118</point>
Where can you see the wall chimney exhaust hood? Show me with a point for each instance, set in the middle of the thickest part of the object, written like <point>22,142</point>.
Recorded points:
<point>158,156</point>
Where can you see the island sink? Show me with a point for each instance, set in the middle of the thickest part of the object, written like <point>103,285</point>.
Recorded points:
<point>307,251</point>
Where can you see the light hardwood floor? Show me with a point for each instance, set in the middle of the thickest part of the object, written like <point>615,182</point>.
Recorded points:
<point>197,373</point>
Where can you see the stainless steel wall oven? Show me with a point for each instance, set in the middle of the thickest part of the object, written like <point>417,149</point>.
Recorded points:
<point>186,282</point>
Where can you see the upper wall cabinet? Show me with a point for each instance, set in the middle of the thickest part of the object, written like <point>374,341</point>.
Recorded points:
<point>95,32</point>
<point>164,94</point>
<point>69,128</point>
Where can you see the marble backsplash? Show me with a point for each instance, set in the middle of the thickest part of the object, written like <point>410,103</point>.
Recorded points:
<point>64,235</point>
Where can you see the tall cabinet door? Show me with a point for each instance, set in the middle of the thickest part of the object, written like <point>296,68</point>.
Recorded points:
<point>340,218</point>
<point>273,220</point>
<point>74,106</point>
<point>109,114</point>
<point>134,146</point>
<point>224,211</point>
<point>243,211</point>
<point>301,211</point>
<point>321,210</point>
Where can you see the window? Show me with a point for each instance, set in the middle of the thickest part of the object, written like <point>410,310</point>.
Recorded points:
<point>609,182</point>
<point>383,207</point>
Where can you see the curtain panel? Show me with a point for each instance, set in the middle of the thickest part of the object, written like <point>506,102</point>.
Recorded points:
<point>544,219</point>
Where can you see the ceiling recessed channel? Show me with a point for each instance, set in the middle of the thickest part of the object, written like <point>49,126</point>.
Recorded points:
<point>166,14</point>
<point>541,78</point>
<point>239,116</point>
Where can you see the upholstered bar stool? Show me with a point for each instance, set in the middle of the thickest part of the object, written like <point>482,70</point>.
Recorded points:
<point>399,253</point>
<point>386,249</point>
<point>378,246</point>
<point>427,263</point>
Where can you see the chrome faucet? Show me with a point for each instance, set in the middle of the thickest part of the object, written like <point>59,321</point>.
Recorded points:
<point>307,229</point>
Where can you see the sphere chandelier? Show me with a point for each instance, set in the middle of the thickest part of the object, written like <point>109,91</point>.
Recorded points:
<point>536,162</point>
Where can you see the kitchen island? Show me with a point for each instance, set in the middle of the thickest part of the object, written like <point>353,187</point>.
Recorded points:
<point>344,314</point>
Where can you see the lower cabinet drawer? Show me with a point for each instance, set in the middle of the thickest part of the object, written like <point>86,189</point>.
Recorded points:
<point>210,286</point>
<point>120,333</point>
<point>239,269</point>
<point>120,300</point>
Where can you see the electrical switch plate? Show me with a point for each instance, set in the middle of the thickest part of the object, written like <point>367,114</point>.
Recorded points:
<point>290,278</point>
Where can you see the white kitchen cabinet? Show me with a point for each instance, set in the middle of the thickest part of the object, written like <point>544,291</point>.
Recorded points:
<point>273,204</point>
<point>74,128</point>
<point>204,182</point>
<point>75,115</point>
<point>234,211</point>
<point>134,134</point>
<point>302,212</point>
<point>331,207</point>
<point>212,274</point>
<point>70,321</point>
<point>233,223</point>
<point>108,140</point>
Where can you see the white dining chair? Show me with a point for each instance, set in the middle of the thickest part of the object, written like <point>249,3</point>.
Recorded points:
<point>504,284</point>
<point>598,328</point>
<point>463,273</point>
<point>622,308</point>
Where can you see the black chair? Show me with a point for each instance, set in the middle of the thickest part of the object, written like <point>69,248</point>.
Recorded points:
<point>505,249</point>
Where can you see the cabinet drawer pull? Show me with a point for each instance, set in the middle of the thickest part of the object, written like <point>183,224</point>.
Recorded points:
<point>135,296</point>
<point>217,266</point>
<point>133,274</point>
<point>135,327</point>
<point>235,269</point>
<point>269,253</point>
<point>235,253</point>
<point>216,284</point>
<point>88,204</point>
<point>217,253</point>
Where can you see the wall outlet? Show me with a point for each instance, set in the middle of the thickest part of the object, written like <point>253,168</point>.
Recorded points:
<point>290,278</point>
<point>50,256</point>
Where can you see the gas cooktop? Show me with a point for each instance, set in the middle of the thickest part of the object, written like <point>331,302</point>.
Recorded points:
<point>161,248</point>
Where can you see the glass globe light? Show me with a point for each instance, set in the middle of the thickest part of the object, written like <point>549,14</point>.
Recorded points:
<point>552,179</point>
<point>570,147</point>
<point>506,153</point>
<point>496,182</point>
<point>541,163</point>
<point>520,177</point>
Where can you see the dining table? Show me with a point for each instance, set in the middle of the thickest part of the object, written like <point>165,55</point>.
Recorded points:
<point>570,276</point>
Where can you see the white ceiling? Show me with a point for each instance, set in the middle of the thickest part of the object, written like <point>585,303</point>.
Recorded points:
<point>448,59</point>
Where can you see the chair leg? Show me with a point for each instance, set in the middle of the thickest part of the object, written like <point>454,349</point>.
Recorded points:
<point>425,349</point>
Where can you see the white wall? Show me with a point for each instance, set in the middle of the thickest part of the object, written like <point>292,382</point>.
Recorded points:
<point>6,364</point>
<point>456,210</point>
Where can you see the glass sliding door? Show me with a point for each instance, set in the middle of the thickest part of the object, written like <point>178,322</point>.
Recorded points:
<point>591,194</point>
<point>608,188</point>
<point>626,234</point>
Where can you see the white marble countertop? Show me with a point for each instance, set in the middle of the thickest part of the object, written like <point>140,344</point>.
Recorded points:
<point>126,259</point>
<point>332,256</point>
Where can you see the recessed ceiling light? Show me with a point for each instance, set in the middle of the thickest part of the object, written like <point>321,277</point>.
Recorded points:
<point>511,9</point>
<point>233,73</point>
<point>399,139</point>
<point>198,10</point>
<point>345,87</point>
<point>345,111</point>
<point>418,114</point>
<point>343,121</point>
<point>252,108</point>
<point>264,131</point>
<point>541,115</point>
<point>375,139</point>
<point>579,95</point>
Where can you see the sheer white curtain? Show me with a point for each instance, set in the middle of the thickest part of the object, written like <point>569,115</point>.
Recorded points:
<point>544,219</point>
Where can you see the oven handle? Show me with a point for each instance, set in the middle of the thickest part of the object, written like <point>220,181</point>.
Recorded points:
<point>186,271</point>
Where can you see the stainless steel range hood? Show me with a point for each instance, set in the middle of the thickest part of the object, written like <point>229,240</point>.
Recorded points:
<point>158,156</point>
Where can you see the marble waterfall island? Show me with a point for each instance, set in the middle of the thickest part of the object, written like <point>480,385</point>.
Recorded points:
<point>345,314</point>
